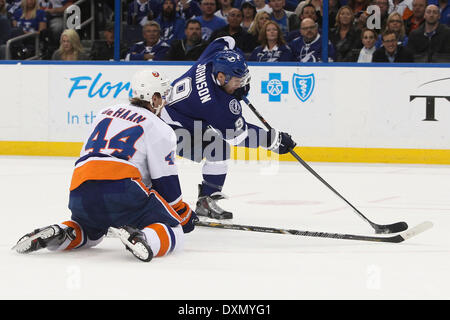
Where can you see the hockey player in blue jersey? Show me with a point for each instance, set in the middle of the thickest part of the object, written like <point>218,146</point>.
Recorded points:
<point>205,112</point>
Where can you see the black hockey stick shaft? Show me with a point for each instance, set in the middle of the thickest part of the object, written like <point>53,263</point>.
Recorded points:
<point>391,228</point>
<point>393,239</point>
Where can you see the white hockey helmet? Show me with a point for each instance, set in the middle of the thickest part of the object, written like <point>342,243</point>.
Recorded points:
<point>146,83</point>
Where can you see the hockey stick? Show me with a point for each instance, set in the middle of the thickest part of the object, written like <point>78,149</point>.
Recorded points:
<point>407,234</point>
<point>387,228</point>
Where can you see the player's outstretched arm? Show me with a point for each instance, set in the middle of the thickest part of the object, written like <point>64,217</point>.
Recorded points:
<point>219,44</point>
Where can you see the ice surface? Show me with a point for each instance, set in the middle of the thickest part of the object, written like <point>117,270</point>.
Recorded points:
<point>228,264</point>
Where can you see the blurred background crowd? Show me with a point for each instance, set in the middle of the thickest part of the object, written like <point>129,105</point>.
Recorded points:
<point>264,30</point>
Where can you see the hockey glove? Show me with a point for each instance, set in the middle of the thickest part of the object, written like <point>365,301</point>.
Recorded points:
<point>188,217</point>
<point>283,143</point>
<point>241,92</point>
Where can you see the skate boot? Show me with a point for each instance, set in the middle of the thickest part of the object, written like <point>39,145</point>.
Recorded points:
<point>51,236</point>
<point>135,242</point>
<point>207,206</point>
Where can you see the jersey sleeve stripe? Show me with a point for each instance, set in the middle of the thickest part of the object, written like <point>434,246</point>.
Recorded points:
<point>237,140</point>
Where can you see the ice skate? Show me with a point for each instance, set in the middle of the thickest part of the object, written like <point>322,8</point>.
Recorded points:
<point>49,236</point>
<point>207,206</point>
<point>134,241</point>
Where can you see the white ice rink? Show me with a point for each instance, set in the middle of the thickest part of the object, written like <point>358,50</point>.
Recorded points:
<point>227,264</point>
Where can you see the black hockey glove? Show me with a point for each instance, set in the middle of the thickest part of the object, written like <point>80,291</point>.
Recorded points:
<point>284,143</point>
<point>241,92</point>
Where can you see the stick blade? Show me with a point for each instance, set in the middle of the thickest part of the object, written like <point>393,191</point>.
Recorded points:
<point>391,228</point>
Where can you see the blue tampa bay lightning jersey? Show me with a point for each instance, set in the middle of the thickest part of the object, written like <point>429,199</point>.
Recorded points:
<point>276,54</point>
<point>139,49</point>
<point>196,96</point>
<point>312,51</point>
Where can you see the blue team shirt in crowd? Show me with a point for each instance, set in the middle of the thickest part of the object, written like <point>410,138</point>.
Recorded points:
<point>30,25</point>
<point>208,27</point>
<point>192,11</point>
<point>402,42</point>
<point>13,7</point>
<point>310,52</point>
<point>139,11</point>
<point>171,29</point>
<point>283,23</point>
<point>138,50</point>
<point>445,15</point>
<point>277,54</point>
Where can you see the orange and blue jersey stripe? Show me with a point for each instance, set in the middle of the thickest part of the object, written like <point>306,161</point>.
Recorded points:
<point>102,167</point>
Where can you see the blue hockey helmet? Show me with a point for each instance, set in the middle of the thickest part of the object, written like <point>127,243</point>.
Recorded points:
<point>231,64</point>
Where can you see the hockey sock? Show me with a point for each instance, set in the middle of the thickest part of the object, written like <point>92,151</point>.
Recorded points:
<point>214,174</point>
<point>74,239</point>
<point>208,186</point>
<point>164,239</point>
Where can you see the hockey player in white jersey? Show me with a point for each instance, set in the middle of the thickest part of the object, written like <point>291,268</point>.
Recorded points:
<point>125,178</point>
<point>206,100</point>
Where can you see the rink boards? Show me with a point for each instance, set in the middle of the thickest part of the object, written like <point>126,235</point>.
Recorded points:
<point>349,113</point>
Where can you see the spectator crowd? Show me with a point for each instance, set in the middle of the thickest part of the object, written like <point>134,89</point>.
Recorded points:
<point>264,30</point>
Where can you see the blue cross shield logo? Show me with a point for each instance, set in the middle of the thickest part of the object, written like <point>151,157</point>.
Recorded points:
<point>275,87</point>
<point>303,85</point>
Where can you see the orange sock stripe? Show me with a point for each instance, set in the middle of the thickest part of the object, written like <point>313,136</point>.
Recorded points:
<point>78,234</point>
<point>167,205</point>
<point>163,236</point>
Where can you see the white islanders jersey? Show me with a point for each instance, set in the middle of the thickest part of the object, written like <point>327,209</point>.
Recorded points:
<point>127,141</point>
